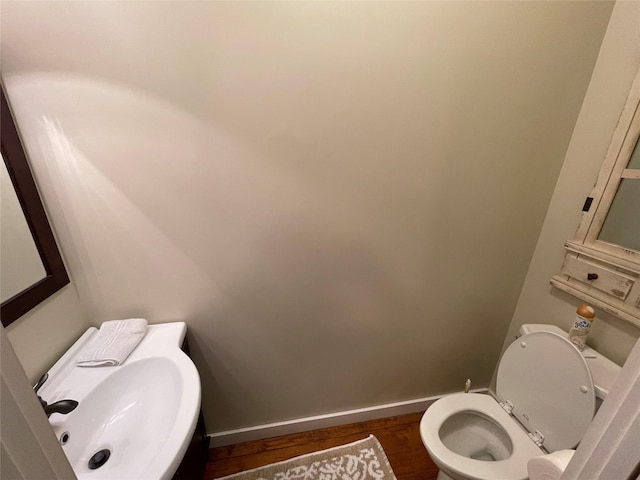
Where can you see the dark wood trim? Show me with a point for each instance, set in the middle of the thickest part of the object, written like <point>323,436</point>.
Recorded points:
<point>18,167</point>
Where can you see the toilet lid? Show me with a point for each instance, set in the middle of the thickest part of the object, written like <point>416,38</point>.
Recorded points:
<point>549,384</point>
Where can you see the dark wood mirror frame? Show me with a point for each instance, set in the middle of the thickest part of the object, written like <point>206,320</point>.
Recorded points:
<point>18,167</point>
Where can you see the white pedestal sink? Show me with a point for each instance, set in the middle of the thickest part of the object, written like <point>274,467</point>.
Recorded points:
<point>141,414</point>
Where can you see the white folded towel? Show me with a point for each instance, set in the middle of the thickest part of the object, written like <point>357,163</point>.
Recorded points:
<point>113,343</point>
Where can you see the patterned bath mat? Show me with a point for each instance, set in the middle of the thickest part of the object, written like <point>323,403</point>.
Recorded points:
<point>361,460</point>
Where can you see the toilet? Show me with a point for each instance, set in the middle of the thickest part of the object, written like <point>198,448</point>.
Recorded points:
<point>546,399</point>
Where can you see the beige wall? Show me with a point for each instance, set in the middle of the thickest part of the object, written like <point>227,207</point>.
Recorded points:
<point>29,449</point>
<point>615,69</point>
<point>42,335</point>
<point>340,199</point>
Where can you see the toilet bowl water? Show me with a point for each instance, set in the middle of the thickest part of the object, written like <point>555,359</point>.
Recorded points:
<point>473,437</point>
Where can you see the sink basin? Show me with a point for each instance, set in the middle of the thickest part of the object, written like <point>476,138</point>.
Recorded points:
<point>133,421</point>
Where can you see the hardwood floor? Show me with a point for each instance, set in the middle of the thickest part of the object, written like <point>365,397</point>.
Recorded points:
<point>399,437</point>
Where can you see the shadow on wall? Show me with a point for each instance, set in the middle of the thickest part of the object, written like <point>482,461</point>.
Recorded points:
<point>147,193</point>
<point>164,216</point>
<point>102,148</point>
<point>324,321</point>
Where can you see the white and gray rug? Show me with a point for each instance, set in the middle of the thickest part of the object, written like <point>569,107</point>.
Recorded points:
<point>361,460</point>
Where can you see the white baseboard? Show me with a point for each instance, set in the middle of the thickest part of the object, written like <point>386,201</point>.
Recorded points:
<point>306,424</point>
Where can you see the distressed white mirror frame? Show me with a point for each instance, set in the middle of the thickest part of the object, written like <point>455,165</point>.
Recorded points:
<point>604,274</point>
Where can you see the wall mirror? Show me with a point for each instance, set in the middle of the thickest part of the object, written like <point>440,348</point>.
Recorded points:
<point>31,267</point>
<point>602,261</point>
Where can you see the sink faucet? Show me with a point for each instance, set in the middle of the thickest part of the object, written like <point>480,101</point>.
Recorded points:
<point>62,406</point>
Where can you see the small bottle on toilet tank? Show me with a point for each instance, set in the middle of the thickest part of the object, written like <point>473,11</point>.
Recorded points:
<point>581,326</point>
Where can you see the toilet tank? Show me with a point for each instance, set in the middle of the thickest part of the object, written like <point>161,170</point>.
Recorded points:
<point>603,371</point>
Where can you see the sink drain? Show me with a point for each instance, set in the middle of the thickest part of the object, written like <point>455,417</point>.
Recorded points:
<point>99,459</point>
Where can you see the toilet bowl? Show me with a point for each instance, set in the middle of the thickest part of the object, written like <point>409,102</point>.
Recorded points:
<point>545,402</point>
<point>471,436</point>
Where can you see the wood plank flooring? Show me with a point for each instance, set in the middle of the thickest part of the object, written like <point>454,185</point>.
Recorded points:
<point>399,437</point>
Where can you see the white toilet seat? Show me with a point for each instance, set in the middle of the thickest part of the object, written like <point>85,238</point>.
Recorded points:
<point>513,468</point>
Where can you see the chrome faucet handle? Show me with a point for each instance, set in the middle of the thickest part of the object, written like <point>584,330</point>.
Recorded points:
<point>43,379</point>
